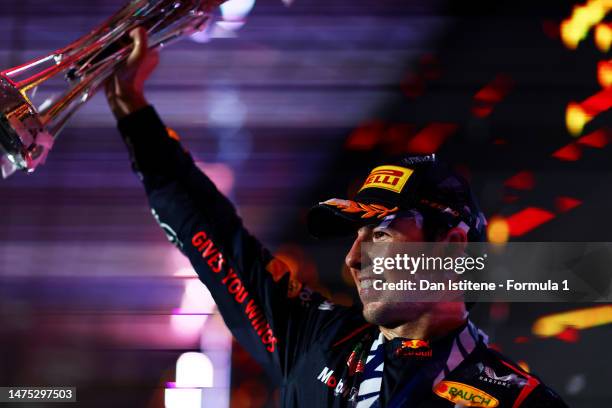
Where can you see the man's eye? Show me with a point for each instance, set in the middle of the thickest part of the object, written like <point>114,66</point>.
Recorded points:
<point>379,235</point>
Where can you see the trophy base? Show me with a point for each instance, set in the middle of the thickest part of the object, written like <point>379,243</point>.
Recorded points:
<point>24,142</point>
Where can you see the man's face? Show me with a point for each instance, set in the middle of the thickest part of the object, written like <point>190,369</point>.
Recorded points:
<point>383,308</point>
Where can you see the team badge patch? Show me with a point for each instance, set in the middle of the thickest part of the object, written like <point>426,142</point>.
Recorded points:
<point>388,177</point>
<point>464,395</point>
<point>488,375</point>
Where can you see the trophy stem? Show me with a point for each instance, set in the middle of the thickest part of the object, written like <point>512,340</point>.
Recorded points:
<point>62,63</point>
<point>54,118</point>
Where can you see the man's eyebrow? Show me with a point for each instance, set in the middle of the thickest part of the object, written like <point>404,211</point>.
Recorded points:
<point>381,226</point>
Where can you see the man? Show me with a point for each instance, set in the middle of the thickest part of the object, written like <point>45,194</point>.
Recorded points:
<point>388,353</point>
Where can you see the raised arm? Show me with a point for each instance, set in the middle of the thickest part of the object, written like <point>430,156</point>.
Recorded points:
<point>269,313</point>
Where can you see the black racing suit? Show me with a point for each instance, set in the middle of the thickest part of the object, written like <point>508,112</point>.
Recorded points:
<point>308,345</point>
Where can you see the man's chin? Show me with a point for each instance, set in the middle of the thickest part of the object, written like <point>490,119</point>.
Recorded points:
<point>379,313</point>
<point>392,314</point>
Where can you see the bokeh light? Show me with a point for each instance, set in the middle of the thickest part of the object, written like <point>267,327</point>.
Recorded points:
<point>603,36</point>
<point>583,18</point>
<point>604,73</point>
<point>554,324</point>
<point>576,118</point>
<point>194,370</point>
<point>498,231</point>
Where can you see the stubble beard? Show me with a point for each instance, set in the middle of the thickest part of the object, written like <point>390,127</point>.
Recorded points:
<point>392,314</point>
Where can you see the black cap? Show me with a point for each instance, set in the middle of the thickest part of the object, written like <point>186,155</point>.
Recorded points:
<point>420,183</point>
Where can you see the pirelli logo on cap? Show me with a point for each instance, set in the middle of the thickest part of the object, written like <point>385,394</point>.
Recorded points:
<point>388,177</point>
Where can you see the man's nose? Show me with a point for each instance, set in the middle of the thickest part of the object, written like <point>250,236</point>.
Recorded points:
<point>353,257</point>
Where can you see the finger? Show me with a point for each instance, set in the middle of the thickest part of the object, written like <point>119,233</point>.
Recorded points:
<point>140,41</point>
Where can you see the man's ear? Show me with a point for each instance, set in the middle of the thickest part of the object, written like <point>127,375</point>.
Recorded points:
<point>456,235</point>
<point>458,239</point>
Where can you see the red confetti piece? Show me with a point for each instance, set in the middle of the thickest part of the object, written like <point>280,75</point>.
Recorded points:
<point>431,138</point>
<point>571,152</point>
<point>597,139</point>
<point>526,220</point>
<point>523,180</point>
<point>564,203</point>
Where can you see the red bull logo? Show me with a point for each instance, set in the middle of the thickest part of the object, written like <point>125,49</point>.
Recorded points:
<point>414,348</point>
<point>414,344</point>
<point>388,177</point>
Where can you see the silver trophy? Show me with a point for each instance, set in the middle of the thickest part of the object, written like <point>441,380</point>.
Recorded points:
<point>27,132</point>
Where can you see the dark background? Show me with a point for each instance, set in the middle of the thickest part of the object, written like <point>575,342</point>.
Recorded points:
<point>293,111</point>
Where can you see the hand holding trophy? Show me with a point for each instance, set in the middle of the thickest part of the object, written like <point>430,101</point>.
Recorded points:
<point>27,132</point>
<point>125,88</point>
